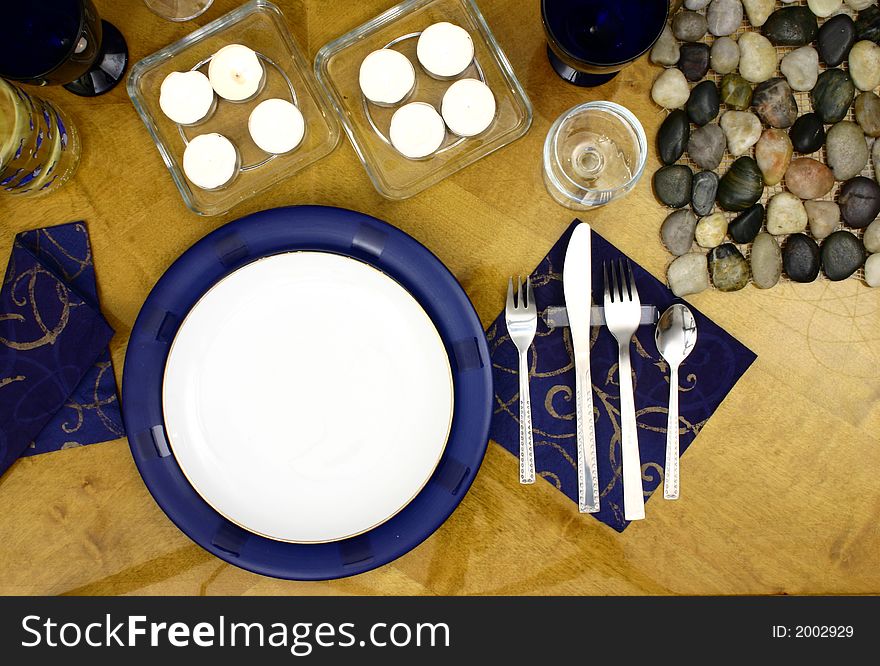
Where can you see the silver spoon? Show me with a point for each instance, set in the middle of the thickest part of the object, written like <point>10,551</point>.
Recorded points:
<point>676,335</point>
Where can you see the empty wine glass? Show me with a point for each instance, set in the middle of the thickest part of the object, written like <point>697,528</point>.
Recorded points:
<point>178,10</point>
<point>61,42</point>
<point>594,153</point>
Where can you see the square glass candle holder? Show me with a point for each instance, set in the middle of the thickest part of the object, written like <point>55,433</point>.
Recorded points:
<point>337,67</point>
<point>260,26</point>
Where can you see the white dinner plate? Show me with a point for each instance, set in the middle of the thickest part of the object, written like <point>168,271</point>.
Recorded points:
<point>307,397</point>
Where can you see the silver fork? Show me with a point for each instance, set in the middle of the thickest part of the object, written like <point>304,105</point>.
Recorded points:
<point>522,322</point>
<point>622,315</point>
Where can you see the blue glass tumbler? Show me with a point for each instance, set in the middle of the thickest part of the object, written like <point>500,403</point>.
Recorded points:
<point>590,41</point>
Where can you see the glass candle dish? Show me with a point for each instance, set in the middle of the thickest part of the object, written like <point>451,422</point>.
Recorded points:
<point>594,153</point>
<point>260,26</point>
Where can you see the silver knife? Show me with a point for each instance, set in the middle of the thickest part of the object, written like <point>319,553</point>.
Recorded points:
<point>578,286</point>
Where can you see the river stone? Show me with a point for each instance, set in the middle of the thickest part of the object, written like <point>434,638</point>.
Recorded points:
<point>824,8</point>
<point>671,89</point>
<point>757,57</point>
<point>706,146</point>
<point>832,95</point>
<point>742,129</point>
<point>801,68</point>
<point>672,185</point>
<point>689,26</point>
<point>745,226</point>
<point>872,270</point>
<point>758,11</point>
<point>859,200</point>
<point>677,231</point>
<point>800,258</point>
<point>785,214</point>
<point>704,103</point>
<point>867,109</point>
<point>696,4</point>
<point>703,191</point>
<point>688,274</point>
<point>724,55</point>
<point>823,216</point>
<point>875,155</point>
<point>774,103</point>
<point>711,230</point>
<point>773,155</point>
<point>728,268</point>
<point>736,92</point>
<point>836,37</point>
<point>846,150</point>
<point>742,186</point>
<point>864,65</point>
<point>672,137</point>
<point>694,60</point>
<point>724,16</point>
<point>766,261</point>
<point>807,134</point>
<point>842,255</point>
<point>868,24</point>
<point>808,178</point>
<point>665,50</point>
<point>859,5</point>
<point>871,239</point>
<point>791,26</point>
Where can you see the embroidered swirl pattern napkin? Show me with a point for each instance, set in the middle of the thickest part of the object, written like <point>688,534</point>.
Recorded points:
<point>707,376</point>
<point>57,387</point>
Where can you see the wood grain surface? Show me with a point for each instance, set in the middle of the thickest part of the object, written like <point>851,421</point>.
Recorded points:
<point>781,494</point>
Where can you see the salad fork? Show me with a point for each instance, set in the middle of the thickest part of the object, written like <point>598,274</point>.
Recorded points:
<point>521,316</point>
<point>622,315</point>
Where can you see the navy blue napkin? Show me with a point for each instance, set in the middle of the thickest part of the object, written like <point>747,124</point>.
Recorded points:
<point>57,386</point>
<point>706,377</point>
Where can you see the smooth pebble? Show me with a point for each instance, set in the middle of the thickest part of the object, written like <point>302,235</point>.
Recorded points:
<point>665,50</point>
<point>724,17</point>
<point>728,268</point>
<point>808,178</point>
<point>872,270</point>
<point>724,55</point>
<point>823,217</point>
<point>742,129</point>
<point>677,231</point>
<point>711,230</point>
<point>864,65</point>
<point>758,11</point>
<point>766,261</point>
<point>706,146</point>
<point>801,68</point>
<point>671,89</point>
<point>773,155</point>
<point>871,239</point>
<point>757,57</point>
<point>689,26</point>
<point>688,274</point>
<point>846,150</point>
<point>785,214</point>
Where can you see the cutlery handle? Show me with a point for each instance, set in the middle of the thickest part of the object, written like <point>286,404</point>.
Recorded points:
<point>670,474</point>
<point>633,495</point>
<point>526,441</point>
<point>587,468</point>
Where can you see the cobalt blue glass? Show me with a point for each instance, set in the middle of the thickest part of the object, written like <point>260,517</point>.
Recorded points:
<point>590,41</point>
<point>52,42</point>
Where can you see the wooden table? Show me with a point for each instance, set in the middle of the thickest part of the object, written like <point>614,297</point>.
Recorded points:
<point>780,494</point>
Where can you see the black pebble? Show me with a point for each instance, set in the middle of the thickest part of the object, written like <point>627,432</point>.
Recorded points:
<point>868,24</point>
<point>791,26</point>
<point>859,200</point>
<point>800,258</point>
<point>832,95</point>
<point>672,185</point>
<point>836,37</point>
<point>842,255</point>
<point>672,137</point>
<point>807,134</point>
<point>703,190</point>
<point>704,103</point>
<point>694,60</point>
<point>745,226</point>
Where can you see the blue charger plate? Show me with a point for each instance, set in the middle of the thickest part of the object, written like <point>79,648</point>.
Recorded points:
<point>324,229</point>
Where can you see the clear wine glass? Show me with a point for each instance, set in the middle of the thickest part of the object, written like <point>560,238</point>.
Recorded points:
<point>178,10</point>
<point>594,153</point>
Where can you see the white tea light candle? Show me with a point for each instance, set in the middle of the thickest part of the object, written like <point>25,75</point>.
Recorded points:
<point>417,130</point>
<point>210,161</point>
<point>468,107</point>
<point>276,126</point>
<point>445,50</point>
<point>386,77</point>
<point>236,73</point>
<point>186,97</point>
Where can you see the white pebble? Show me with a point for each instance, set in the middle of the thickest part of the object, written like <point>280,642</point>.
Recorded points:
<point>671,89</point>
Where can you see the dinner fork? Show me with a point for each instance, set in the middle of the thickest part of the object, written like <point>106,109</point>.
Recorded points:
<point>521,316</point>
<point>622,315</point>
